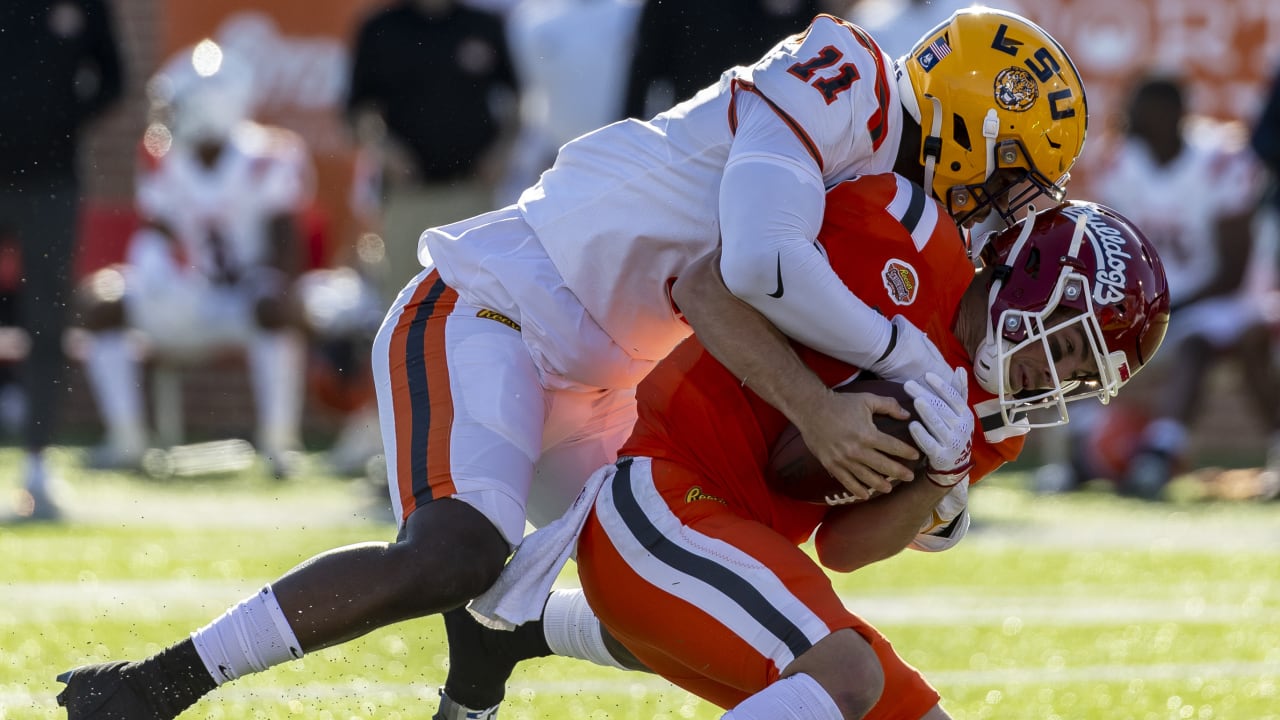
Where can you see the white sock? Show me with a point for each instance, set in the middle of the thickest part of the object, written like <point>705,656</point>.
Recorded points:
<point>798,697</point>
<point>573,630</point>
<point>248,638</point>
<point>276,365</point>
<point>116,382</point>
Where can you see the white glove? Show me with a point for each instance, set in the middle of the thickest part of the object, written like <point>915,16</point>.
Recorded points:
<point>944,432</point>
<point>911,354</point>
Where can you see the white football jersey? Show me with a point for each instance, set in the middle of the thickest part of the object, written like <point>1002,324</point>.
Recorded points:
<point>626,208</point>
<point>1177,205</point>
<point>220,215</point>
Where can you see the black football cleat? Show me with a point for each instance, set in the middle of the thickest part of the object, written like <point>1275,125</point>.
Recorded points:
<point>104,692</point>
<point>481,661</point>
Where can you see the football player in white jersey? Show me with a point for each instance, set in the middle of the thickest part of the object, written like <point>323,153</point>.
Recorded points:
<point>507,368</point>
<point>1193,186</point>
<point>212,262</point>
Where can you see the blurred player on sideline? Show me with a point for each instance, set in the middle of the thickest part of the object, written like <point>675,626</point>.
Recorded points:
<point>694,563</point>
<point>507,368</point>
<point>213,262</point>
<point>1194,188</point>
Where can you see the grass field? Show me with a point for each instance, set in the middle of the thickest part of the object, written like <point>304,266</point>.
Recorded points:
<point>1083,607</point>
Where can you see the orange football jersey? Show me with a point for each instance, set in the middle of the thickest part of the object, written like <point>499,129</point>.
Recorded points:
<point>900,254</point>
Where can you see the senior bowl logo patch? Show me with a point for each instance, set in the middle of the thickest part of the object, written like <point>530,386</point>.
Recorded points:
<point>900,281</point>
<point>1016,89</point>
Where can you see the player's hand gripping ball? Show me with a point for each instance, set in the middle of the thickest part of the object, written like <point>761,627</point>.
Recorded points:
<point>795,472</point>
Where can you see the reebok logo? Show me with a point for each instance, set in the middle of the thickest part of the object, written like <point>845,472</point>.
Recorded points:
<point>778,293</point>
<point>498,317</point>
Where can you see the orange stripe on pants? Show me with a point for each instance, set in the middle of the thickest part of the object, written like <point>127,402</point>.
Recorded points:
<point>421,399</point>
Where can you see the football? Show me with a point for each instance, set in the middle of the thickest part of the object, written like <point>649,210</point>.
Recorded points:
<point>796,473</point>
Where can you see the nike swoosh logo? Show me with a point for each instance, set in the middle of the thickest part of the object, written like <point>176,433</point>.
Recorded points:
<point>778,293</point>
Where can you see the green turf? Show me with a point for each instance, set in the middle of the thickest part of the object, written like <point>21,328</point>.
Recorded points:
<point>1083,607</point>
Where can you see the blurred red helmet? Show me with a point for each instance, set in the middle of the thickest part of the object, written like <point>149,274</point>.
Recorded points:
<point>1079,263</point>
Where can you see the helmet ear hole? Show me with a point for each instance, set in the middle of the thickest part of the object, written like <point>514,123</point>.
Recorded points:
<point>1032,266</point>
<point>961,133</point>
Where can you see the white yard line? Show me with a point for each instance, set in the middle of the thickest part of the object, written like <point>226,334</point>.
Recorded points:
<point>1249,601</point>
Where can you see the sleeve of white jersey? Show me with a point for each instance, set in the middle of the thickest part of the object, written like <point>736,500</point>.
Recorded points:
<point>771,207</point>
<point>829,82</point>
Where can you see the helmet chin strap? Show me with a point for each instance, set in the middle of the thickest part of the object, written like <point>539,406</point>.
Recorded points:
<point>933,143</point>
<point>990,130</point>
<point>987,366</point>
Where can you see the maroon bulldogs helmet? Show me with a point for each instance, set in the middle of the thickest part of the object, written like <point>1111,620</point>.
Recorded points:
<point>1077,263</point>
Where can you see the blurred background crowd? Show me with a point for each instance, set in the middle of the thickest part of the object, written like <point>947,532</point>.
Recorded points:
<point>205,208</point>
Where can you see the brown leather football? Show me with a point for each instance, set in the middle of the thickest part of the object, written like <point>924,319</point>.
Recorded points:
<point>795,472</point>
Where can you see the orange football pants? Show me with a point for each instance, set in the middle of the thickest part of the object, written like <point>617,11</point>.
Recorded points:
<point>714,602</point>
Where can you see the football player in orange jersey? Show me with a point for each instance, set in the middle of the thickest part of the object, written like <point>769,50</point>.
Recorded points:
<point>506,369</point>
<point>692,561</point>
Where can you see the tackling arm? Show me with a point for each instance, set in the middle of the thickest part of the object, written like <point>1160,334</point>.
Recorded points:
<point>772,201</point>
<point>771,207</point>
<point>755,350</point>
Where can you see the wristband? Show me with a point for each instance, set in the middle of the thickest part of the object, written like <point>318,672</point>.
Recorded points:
<point>960,474</point>
<point>893,342</point>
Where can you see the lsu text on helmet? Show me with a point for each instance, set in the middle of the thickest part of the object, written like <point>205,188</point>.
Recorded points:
<point>1078,265</point>
<point>202,94</point>
<point>1002,109</point>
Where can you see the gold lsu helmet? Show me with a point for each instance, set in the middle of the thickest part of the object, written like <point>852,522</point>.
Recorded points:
<point>994,92</point>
